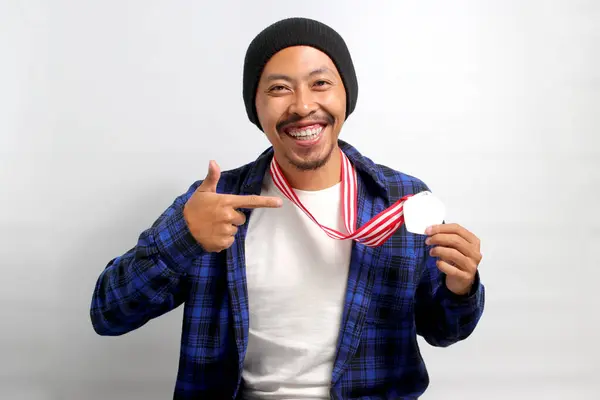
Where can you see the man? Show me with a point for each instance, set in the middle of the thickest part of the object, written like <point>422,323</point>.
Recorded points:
<point>295,282</point>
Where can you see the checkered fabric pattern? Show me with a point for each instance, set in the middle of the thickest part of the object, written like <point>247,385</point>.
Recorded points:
<point>395,292</point>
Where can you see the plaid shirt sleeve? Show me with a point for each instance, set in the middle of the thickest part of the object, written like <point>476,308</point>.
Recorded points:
<point>146,281</point>
<point>442,317</point>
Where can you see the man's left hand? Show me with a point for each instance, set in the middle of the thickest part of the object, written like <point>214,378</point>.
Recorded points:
<point>458,253</point>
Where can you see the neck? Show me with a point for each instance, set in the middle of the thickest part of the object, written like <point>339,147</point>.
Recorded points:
<point>319,179</point>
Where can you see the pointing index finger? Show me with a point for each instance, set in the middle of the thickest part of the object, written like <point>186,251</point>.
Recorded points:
<point>253,201</point>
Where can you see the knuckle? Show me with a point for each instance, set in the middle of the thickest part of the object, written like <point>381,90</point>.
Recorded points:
<point>454,241</point>
<point>224,229</point>
<point>473,268</point>
<point>228,214</point>
<point>254,199</point>
<point>223,201</point>
<point>225,214</point>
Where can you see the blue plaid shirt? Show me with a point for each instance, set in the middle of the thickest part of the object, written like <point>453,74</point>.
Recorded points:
<point>394,293</point>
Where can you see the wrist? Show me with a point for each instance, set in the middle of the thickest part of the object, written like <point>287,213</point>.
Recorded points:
<point>459,288</point>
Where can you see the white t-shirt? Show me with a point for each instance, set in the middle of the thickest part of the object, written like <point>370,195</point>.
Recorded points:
<point>297,279</point>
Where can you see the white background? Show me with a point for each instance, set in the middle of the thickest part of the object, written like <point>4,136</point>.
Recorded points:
<point>111,109</point>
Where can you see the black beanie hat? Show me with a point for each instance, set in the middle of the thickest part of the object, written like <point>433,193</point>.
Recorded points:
<point>296,32</point>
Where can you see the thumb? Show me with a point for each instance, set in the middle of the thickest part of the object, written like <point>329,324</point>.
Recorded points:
<point>212,178</point>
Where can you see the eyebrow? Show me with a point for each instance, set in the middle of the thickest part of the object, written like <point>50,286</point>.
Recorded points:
<point>275,77</point>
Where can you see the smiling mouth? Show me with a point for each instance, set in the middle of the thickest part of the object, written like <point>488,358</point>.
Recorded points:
<point>310,132</point>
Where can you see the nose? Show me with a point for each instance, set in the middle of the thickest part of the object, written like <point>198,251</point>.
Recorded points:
<point>302,103</point>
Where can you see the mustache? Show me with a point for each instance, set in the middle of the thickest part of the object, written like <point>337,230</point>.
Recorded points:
<point>324,117</point>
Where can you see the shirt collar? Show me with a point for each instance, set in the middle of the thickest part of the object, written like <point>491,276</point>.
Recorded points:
<point>366,168</point>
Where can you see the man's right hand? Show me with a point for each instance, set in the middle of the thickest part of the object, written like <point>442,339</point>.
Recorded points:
<point>213,218</point>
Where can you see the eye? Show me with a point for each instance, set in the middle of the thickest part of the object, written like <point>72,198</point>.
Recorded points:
<point>277,88</point>
<point>321,84</point>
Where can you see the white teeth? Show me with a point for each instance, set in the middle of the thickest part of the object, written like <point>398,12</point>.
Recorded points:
<point>306,134</point>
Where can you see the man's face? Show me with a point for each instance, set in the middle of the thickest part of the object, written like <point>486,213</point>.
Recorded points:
<point>301,106</point>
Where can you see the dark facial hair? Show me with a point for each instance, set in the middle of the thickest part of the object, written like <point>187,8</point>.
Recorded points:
<point>324,116</point>
<point>310,165</point>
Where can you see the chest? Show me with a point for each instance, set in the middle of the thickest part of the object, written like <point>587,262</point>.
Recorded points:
<point>293,268</point>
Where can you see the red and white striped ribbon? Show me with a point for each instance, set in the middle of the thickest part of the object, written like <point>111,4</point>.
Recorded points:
<point>373,233</point>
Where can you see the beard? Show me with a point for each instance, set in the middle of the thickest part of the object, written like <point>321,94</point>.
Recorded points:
<point>309,162</point>
<point>311,165</point>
